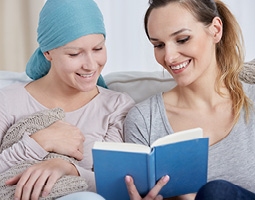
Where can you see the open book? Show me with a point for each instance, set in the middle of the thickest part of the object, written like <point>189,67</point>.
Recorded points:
<point>182,155</point>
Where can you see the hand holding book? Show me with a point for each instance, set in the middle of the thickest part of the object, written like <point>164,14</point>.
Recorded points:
<point>183,156</point>
<point>152,195</point>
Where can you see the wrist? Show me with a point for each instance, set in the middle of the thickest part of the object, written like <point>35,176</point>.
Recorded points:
<point>41,140</point>
<point>73,170</point>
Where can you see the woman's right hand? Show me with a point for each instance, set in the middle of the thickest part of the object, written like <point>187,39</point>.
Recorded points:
<point>152,195</point>
<point>40,178</point>
<point>63,138</point>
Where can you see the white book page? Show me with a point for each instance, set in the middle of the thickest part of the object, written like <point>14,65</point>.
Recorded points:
<point>179,136</point>
<point>126,147</point>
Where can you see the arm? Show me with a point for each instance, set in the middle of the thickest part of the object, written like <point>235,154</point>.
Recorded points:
<point>59,137</point>
<point>26,148</point>
<point>41,177</point>
<point>135,129</point>
<point>121,107</point>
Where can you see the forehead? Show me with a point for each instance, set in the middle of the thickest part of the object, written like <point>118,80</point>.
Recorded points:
<point>171,17</point>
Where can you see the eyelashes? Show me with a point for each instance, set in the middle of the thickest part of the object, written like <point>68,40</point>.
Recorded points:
<point>182,41</point>
<point>73,55</point>
<point>77,54</point>
<point>99,49</point>
<point>179,41</point>
<point>159,46</point>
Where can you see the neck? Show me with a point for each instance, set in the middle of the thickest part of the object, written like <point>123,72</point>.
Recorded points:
<point>51,94</point>
<point>202,93</point>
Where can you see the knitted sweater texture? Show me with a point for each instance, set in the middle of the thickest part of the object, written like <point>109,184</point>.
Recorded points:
<point>31,124</point>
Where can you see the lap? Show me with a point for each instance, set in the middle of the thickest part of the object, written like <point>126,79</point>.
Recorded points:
<point>82,195</point>
<point>220,190</point>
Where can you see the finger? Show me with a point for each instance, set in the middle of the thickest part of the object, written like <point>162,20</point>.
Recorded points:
<point>40,183</point>
<point>159,197</point>
<point>132,191</point>
<point>29,185</point>
<point>14,180</point>
<point>49,185</point>
<point>20,184</point>
<point>80,148</point>
<point>155,190</point>
<point>76,154</point>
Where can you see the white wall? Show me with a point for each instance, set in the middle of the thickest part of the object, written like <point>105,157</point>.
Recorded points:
<point>127,44</point>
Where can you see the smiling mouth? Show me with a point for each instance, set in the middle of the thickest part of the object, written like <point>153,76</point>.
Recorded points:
<point>86,75</point>
<point>180,66</point>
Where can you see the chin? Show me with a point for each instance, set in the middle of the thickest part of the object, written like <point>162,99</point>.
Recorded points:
<point>88,88</point>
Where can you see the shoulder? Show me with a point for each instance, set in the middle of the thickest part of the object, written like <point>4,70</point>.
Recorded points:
<point>146,107</point>
<point>14,90</point>
<point>249,90</point>
<point>114,94</point>
<point>15,99</point>
<point>115,99</point>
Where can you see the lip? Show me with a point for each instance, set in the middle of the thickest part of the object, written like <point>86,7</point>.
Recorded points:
<point>86,76</point>
<point>177,71</point>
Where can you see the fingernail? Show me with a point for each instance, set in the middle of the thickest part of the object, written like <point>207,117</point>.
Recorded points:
<point>128,179</point>
<point>166,178</point>
<point>16,198</point>
<point>44,194</point>
<point>160,197</point>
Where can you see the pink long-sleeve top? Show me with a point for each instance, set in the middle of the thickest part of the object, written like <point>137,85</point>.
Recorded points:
<point>99,120</point>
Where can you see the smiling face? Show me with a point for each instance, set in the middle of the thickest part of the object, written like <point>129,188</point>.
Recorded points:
<point>182,45</point>
<point>78,64</point>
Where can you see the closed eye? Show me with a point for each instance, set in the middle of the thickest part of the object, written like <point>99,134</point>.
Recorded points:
<point>159,46</point>
<point>98,49</point>
<point>182,41</point>
<point>73,55</point>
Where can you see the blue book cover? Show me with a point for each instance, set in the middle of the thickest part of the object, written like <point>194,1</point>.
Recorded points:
<point>183,156</point>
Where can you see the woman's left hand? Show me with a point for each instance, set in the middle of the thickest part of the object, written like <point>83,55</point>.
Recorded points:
<point>153,193</point>
<point>40,178</point>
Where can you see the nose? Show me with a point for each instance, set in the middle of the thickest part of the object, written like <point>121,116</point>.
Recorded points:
<point>171,54</point>
<point>89,63</point>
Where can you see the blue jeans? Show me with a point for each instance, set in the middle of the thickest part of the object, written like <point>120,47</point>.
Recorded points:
<point>223,190</point>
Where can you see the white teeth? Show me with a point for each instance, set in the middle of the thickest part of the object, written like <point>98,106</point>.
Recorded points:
<point>180,66</point>
<point>86,75</point>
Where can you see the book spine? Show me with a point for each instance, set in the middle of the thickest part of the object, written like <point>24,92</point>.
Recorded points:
<point>151,169</point>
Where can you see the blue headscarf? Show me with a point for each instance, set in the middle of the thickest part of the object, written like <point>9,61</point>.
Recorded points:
<point>60,22</point>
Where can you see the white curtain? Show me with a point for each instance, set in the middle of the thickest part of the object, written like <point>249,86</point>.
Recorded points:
<point>128,47</point>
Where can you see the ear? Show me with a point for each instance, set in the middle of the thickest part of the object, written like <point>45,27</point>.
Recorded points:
<point>216,29</point>
<point>47,55</point>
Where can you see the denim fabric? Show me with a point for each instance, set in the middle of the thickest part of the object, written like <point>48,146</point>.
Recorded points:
<point>223,190</point>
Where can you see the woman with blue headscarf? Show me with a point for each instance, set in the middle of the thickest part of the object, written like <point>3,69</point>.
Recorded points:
<point>66,70</point>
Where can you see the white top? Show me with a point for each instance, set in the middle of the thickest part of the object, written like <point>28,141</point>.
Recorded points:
<point>99,120</point>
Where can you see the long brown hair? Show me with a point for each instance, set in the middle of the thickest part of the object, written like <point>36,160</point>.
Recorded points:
<point>229,51</point>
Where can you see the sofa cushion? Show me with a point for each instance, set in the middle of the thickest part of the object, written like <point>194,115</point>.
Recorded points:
<point>140,85</point>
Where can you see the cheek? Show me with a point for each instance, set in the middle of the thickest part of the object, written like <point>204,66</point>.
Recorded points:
<point>199,47</point>
<point>159,55</point>
<point>66,66</point>
<point>102,58</point>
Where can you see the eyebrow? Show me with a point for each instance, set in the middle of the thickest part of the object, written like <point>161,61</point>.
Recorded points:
<point>173,34</point>
<point>81,48</point>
